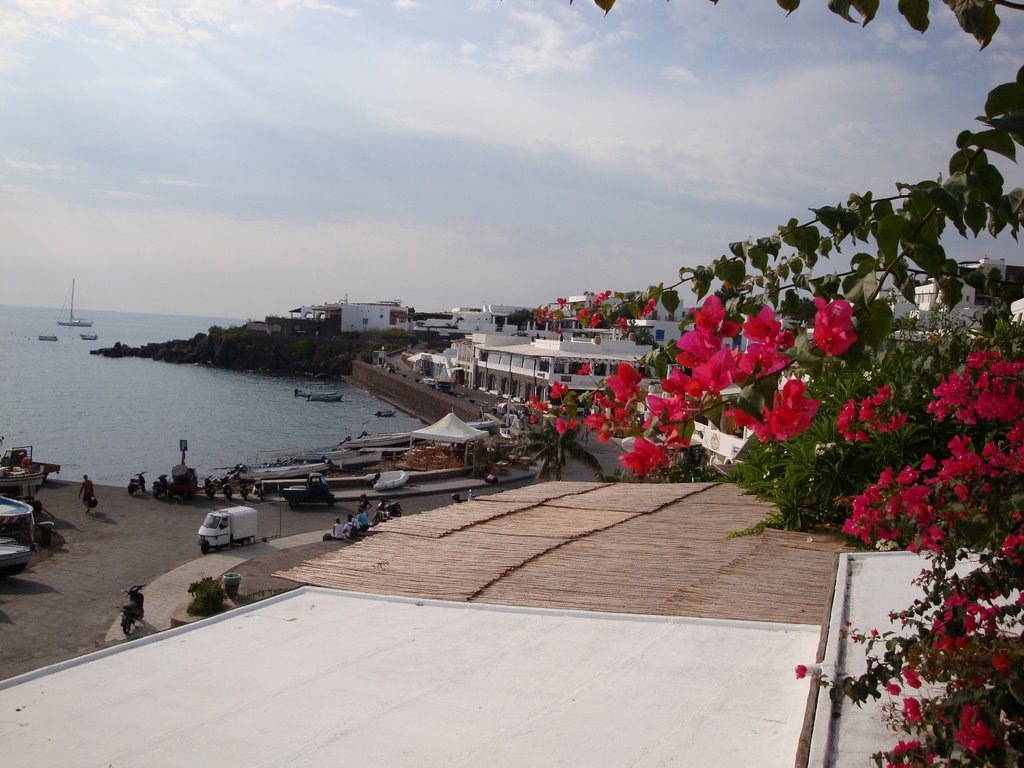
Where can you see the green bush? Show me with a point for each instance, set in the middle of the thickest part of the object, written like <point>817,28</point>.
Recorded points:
<point>208,597</point>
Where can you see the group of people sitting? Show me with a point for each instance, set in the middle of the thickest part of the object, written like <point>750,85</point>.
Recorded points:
<point>356,525</point>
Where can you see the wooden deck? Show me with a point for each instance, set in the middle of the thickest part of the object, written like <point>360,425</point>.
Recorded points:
<point>619,547</point>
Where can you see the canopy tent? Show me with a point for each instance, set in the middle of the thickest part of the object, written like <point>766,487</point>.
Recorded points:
<point>450,429</point>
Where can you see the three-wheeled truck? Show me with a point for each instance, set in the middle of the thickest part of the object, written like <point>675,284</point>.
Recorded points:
<point>227,526</point>
<point>314,491</point>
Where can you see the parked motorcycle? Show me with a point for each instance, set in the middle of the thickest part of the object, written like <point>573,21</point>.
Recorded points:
<point>131,611</point>
<point>257,489</point>
<point>391,508</point>
<point>209,488</point>
<point>137,483</point>
<point>160,487</point>
<point>243,488</point>
<point>225,488</point>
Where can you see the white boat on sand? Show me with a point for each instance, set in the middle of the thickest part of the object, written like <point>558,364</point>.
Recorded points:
<point>387,481</point>
<point>282,471</point>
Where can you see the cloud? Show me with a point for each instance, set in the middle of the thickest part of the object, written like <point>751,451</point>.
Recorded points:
<point>679,74</point>
<point>118,194</point>
<point>176,183</point>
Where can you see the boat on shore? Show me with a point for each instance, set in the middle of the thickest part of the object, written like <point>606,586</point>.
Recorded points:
<point>384,440</point>
<point>18,483</point>
<point>281,471</point>
<point>14,558</point>
<point>388,481</point>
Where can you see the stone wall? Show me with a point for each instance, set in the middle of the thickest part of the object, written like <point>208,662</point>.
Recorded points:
<point>401,390</point>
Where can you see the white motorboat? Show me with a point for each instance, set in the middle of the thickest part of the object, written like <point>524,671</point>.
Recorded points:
<point>385,440</point>
<point>47,337</point>
<point>14,558</point>
<point>387,481</point>
<point>319,395</point>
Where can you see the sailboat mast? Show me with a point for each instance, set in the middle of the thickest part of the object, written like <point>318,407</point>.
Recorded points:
<point>71,316</point>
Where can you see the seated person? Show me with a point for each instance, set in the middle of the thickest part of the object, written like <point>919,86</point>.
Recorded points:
<point>379,516</point>
<point>363,521</point>
<point>364,503</point>
<point>338,529</point>
<point>351,529</point>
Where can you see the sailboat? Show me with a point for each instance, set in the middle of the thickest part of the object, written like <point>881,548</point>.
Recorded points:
<point>76,322</point>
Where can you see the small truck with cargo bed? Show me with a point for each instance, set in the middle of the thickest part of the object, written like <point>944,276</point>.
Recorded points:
<point>314,491</point>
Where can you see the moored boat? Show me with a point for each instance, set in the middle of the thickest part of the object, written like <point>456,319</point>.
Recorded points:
<point>88,336</point>
<point>70,319</point>
<point>385,412</point>
<point>384,440</point>
<point>47,337</point>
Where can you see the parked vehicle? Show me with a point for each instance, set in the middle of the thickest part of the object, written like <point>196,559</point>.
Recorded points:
<point>314,491</point>
<point>225,487</point>
<point>160,486</point>
<point>21,457</point>
<point>183,483</point>
<point>243,488</point>
<point>257,489</point>
<point>137,483</point>
<point>392,508</point>
<point>208,487</point>
<point>131,611</point>
<point>224,527</point>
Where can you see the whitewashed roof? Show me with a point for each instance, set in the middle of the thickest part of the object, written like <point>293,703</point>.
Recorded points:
<point>324,678</point>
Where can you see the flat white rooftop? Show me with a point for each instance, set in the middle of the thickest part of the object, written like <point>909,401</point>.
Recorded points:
<point>326,678</point>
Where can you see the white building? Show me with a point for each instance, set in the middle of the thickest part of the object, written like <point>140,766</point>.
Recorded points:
<point>363,316</point>
<point>490,318</point>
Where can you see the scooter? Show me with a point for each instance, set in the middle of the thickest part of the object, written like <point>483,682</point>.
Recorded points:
<point>160,487</point>
<point>209,488</point>
<point>257,489</point>
<point>243,488</point>
<point>225,488</point>
<point>391,508</point>
<point>137,483</point>
<point>132,612</point>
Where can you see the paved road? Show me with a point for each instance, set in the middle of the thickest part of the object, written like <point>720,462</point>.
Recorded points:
<point>66,603</point>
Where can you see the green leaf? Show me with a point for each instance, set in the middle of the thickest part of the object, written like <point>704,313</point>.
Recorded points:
<point>915,12</point>
<point>1012,123</point>
<point>890,230</point>
<point>877,325</point>
<point>670,301</point>
<point>975,215</point>
<point>604,5</point>
<point>977,17</point>
<point>788,5</point>
<point>995,141</point>
<point>867,10</point>
<point>841,8</point>
<point>1004,98</point>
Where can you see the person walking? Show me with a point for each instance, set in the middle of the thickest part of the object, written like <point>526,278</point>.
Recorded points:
<point>87,494</point>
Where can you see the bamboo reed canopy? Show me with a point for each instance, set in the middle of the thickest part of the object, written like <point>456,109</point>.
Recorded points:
<point>618,547</point>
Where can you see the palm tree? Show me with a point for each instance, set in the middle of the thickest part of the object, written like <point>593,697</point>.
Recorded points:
<point>554,449</point>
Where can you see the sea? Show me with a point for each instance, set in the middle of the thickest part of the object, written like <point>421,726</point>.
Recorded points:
<point>112,418</point>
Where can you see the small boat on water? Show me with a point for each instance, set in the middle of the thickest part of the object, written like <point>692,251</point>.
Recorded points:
<point>319,396</point>
<point>385,412</point>
<point>47,337</point>
<point>14,558</point>
<point>88,336</point>
<point>387,481</point>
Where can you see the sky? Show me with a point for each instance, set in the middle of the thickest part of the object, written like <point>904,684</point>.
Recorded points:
<point>239,158</point>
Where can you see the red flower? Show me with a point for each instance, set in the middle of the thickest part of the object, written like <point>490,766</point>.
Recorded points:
<point>912,710</point>
<point>625,384</point>
<point>584,370</point>
<point>801,671</point>
<point>562,426</point>
<point>833,326</point>
<point>645,457</point>
<point>973,733</point>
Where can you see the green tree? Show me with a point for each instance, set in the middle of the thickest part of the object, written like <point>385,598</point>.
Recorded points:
<point>554,448</point>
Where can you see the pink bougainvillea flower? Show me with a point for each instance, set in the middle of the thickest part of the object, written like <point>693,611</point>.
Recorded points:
<point>584,370</point>
<point>717,373</point>
<point>648,309</point>
<point>558,391</point>
<point>973,734</point>
<point>625,384</point>
<point>645,457</point>
<point>711,317</point>
<point>912,710</point>
<point>833,326</point>
<point>791,414</point>
<point>801,671</point>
